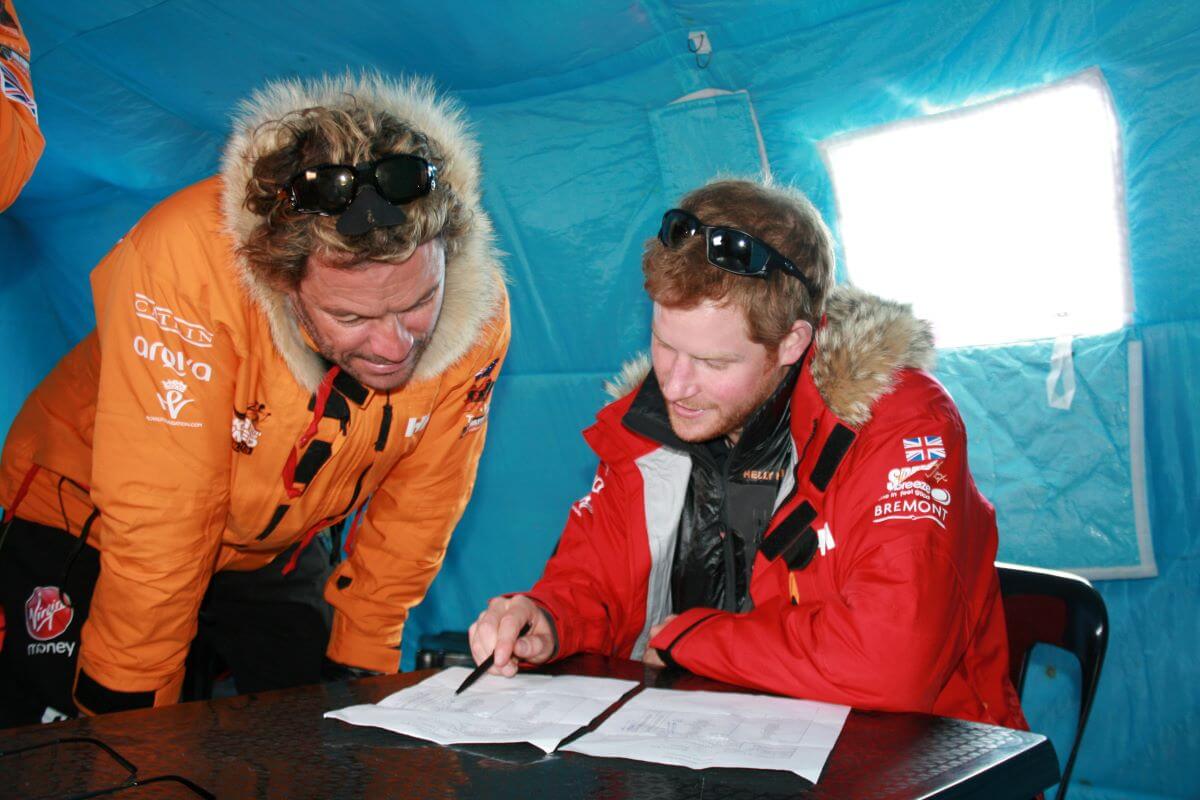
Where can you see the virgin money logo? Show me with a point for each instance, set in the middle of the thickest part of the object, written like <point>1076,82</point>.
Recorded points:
<point>46,615</point>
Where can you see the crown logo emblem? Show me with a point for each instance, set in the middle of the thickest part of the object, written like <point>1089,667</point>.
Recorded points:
<point>172,399</point>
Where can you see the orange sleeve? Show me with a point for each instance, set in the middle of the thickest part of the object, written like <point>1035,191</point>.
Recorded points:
<point>408,522</point>
<point>160,469</point>
<point>21,140</point>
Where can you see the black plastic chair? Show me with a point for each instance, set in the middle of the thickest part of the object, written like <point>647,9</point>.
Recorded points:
<point>1044,606</point>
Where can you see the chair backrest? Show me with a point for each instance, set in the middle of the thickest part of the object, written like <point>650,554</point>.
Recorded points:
<point>1044,606</point>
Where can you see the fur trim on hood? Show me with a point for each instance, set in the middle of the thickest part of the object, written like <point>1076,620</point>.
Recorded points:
<point>866,340</point>
<point>864,343</point>
<point>474,277</point>
<point>632,373</point>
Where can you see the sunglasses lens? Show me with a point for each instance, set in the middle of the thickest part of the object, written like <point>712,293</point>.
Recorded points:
<point>732,250</point>
<point>327,190</point>
<point>676,226</point>
<point>403,178</point>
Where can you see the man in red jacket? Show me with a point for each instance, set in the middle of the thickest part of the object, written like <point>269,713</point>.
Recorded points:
<point>783,502</point>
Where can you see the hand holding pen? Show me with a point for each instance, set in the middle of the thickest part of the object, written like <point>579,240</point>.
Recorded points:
<point>485,665</point>
<point>509,630</point>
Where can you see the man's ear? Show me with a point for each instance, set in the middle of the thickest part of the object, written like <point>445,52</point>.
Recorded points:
<point>792,348</point>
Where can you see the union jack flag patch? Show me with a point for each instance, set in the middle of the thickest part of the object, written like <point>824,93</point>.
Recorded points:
<point>923,448</point>
<point>14,91</point>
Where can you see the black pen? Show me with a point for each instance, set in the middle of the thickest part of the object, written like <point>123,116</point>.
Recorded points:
<point>487,664</point>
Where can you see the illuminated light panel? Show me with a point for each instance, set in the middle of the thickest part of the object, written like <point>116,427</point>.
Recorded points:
<point>999,222</point>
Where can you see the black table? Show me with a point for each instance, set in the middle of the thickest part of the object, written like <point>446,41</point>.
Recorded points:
<point>277,745</point>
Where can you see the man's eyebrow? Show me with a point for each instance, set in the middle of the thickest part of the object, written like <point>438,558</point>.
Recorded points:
<point>710,357</point>
<point>338,311</point>
<point>423,298</point>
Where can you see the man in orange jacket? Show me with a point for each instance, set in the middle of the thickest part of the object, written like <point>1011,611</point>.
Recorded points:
<point>21,141</point>
<point>308,338</point>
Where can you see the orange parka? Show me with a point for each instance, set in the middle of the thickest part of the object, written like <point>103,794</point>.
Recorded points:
<point>21,140</point>
<point>200,424</point>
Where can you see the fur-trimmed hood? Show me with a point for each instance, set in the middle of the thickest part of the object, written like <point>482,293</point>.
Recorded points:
<point>863,344</point>
<point>474,277</point>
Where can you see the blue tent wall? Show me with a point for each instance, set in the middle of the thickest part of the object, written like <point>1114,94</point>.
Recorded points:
<point>134,98</point>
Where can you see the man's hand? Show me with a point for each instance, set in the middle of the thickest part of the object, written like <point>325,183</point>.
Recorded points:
<point>496,629</point>
<point>650,657</point>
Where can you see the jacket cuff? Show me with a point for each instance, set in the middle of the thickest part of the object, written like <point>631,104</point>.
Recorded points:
<point>677,630</point>
<point>349,648</point>
<point>545,612</point>
<point>93,697</point>
<point>564,643</point>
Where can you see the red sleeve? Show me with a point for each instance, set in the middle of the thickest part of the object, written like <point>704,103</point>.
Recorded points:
<point>891,635</point>
<point>586,585</point>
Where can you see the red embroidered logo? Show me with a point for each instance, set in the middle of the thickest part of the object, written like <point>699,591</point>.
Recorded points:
<point>46,615</point>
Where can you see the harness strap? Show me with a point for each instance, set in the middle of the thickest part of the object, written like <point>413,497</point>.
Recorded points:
<point>793,538</point>
<point>289,467</point>
<point>22,490</point>
<point>832,453</point>
<point>305,541</point>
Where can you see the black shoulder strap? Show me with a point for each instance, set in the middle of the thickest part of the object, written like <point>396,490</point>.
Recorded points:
<point>794,538</point>
<point>839,441</point>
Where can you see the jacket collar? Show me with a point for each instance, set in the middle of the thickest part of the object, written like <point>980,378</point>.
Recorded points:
<point>647,416</point>
<point>860,350</point>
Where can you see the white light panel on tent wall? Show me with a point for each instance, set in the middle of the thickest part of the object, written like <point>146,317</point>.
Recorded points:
<point>1000,222</point>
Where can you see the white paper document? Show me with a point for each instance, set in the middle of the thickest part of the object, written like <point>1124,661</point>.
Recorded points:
<point>719,729</point>
<point>539,709</point>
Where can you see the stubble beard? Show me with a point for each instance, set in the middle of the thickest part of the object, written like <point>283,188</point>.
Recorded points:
<point>393,382</point>
<point>728,422</point>
<point>345,361</point>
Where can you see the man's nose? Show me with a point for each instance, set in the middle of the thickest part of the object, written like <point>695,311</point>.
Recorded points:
<point>390,339</point>
<point>677,380</point>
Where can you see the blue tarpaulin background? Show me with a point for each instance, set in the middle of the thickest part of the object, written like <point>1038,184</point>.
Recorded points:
<point>572,104</point>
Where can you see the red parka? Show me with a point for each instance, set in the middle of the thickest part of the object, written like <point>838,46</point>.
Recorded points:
<point>900,607</point>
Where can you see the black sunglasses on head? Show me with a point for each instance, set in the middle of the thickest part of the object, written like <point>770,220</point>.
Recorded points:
<point>329,189</point>
<point>728,248</point>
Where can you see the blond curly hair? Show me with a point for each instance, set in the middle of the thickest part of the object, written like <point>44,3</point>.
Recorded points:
<point>278,248</point>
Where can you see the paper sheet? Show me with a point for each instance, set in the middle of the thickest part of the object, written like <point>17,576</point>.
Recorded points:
<point>719,729</point>
<point>539,709</point>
